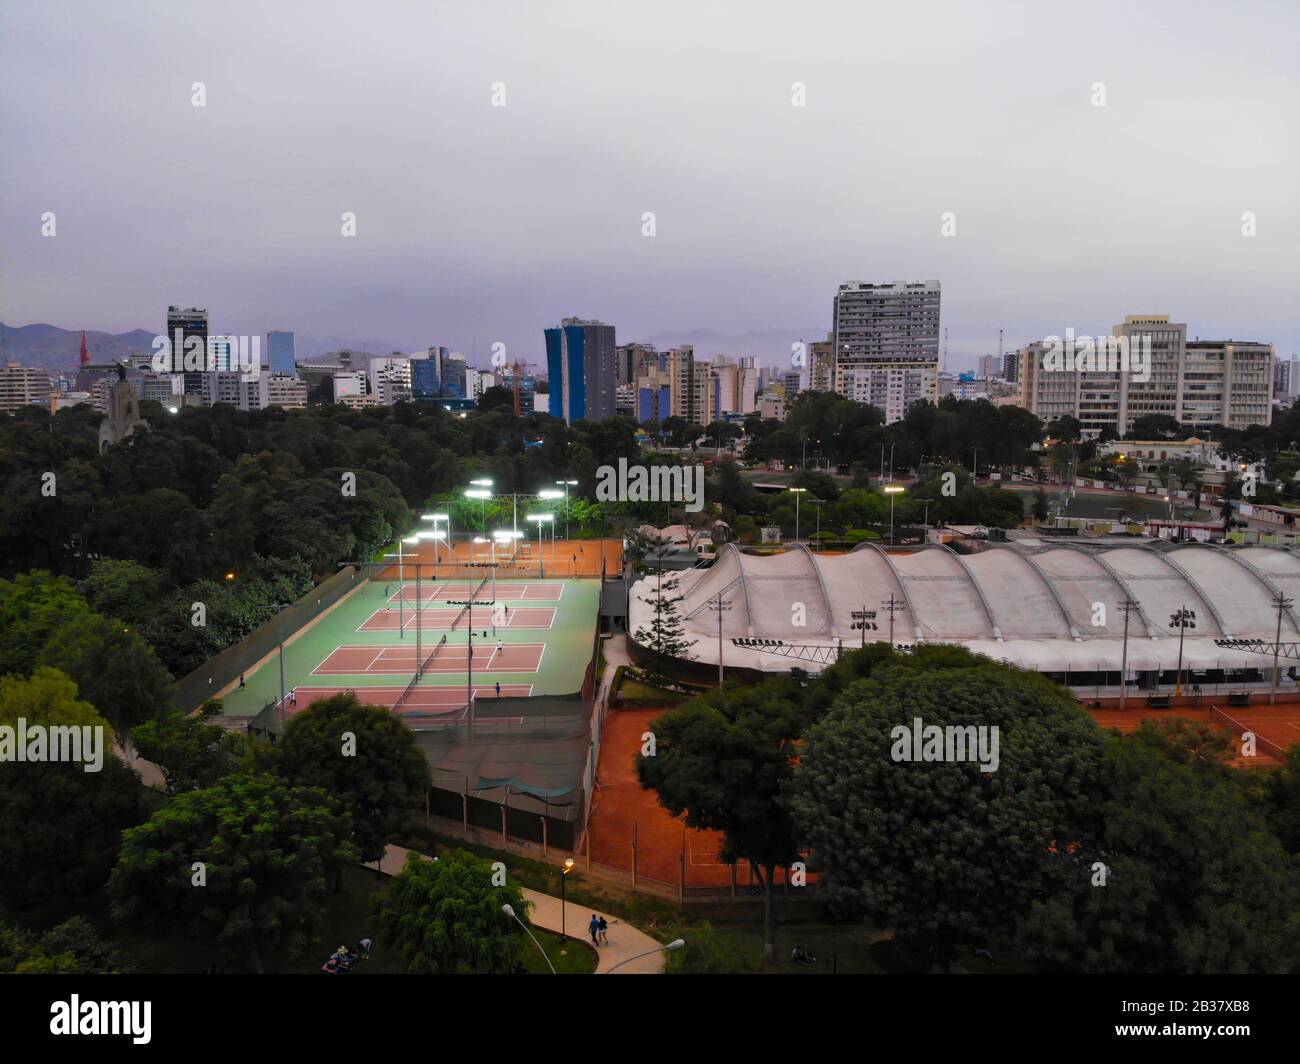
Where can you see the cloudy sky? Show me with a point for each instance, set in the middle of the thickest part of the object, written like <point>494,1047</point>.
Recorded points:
<point>478,223</point>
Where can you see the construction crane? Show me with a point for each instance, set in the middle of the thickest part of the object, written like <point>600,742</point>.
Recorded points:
<point>516,371</point>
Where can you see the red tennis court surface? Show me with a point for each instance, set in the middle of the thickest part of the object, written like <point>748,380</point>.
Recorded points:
<point>388,620</point>
<point>423,700</point>
<point>1277,725</point>
<point>453,657</point>
<point>534,592</point>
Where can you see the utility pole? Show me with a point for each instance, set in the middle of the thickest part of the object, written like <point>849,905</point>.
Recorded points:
<point>1280,603</point>
<point>719,608</point>
<point>893,607</point>
<point>1127,606</point>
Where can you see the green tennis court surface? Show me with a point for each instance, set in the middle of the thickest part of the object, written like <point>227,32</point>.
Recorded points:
<point>543,649</point>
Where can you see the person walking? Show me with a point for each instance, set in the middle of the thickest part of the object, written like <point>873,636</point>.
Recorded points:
<point>498,689</point>
<point>593,929</point>
<point>604,931</point>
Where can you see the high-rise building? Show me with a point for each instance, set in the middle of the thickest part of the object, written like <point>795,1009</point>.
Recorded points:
<point>632,359</point>
<point>23,386</point>
<point>821,365</point>
<point>1286,379</point>
<point>887,344</point>
<point>280,357</point>
<point>286,391</point>
<point>389,379</point>
<point>245,391</point>
<point>182,325</point>
<point>792,384</point>
<point>1197,382</point>
<point>990,366</point>
<point>1011,367</point>
<point>582,371</point>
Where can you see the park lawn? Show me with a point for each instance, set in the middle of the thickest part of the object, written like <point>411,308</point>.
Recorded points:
<point>573,957</point>
<point>841,949</point>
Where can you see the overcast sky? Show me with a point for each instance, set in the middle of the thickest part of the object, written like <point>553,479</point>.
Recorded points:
<point>478,223</point>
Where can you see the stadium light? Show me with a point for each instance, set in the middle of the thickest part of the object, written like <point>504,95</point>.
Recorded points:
<point>891,490</point>
<point>435,517</point>
<point>796,492</point>
<point>541,563</point>
<point>567,484</point>
<point>483,482</point>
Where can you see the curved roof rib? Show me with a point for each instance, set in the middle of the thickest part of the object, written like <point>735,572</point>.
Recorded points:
<point>744,590</point>
<point>1273,588</point>
<point>970,577</point>
<point>1194,584</point>
<point>1120,582</point>
<point>1029,560</point>
<point>826,598</point>
<point>902,588</point>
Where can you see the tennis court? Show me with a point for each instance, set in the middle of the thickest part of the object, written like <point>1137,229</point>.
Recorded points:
<point>543,644</point>
<point>422,700</point>
<point>428,593</point>
<point>477,617</point>
<point>447,657</point>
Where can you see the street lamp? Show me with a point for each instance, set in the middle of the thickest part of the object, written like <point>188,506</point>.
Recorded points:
<point>564,878</point>
<point>891,490</point>
<point>509,910</point>
<point>797,492</point>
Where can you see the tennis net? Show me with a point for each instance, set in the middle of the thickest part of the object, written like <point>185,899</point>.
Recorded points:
<point>1266,745</point>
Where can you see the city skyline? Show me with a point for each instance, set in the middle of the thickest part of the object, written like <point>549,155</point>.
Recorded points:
<point>479,224</point>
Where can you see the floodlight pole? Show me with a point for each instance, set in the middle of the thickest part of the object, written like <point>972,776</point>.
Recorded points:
<point>279,608</point>
<point>892,607</point>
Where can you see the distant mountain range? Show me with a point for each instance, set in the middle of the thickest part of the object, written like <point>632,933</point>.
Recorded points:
<point>51,348</point>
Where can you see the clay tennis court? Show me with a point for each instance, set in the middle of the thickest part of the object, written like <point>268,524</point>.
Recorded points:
<point>563,558</point>
<point>422,700</point>
<point>451,657</point>
<point>390,620</point>
<point>512,592</point>
<point>1277,726</point>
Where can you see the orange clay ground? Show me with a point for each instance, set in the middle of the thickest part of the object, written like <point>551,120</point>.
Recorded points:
<point>624,812</point>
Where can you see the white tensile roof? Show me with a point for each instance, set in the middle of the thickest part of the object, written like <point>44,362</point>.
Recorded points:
<point>1047,606</point>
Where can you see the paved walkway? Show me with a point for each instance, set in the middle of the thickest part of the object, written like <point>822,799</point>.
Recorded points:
<point>625,941</point>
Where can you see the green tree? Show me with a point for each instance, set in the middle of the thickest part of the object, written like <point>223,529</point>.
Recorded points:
<point>190,753</point>
<point>445,916</point>
<point>366,758</point>
<point>1193,880</point>
<point>942,851</point>
<point>267,851</point>
<point>720,761</point>
<point>71,948</point>
<point>32,605</point>
<point>665,638</point>
<point>126,590</point>
<point>114,668</point>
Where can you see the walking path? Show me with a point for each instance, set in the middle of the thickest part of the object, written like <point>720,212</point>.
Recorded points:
<point>625,941</point>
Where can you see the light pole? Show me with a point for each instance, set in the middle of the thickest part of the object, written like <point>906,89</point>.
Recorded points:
<point>541,561</point>
<point>401,592</point>
<point>435,518</point>
<point>796,492</point>
<point>483,494</point>
<point>1182,619</point>
<point>279,608</point>
<point>891,490</point>
<point>564,876</point>
<point>510,912</point>
<point>567,484</point>
<point>893,607</point>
